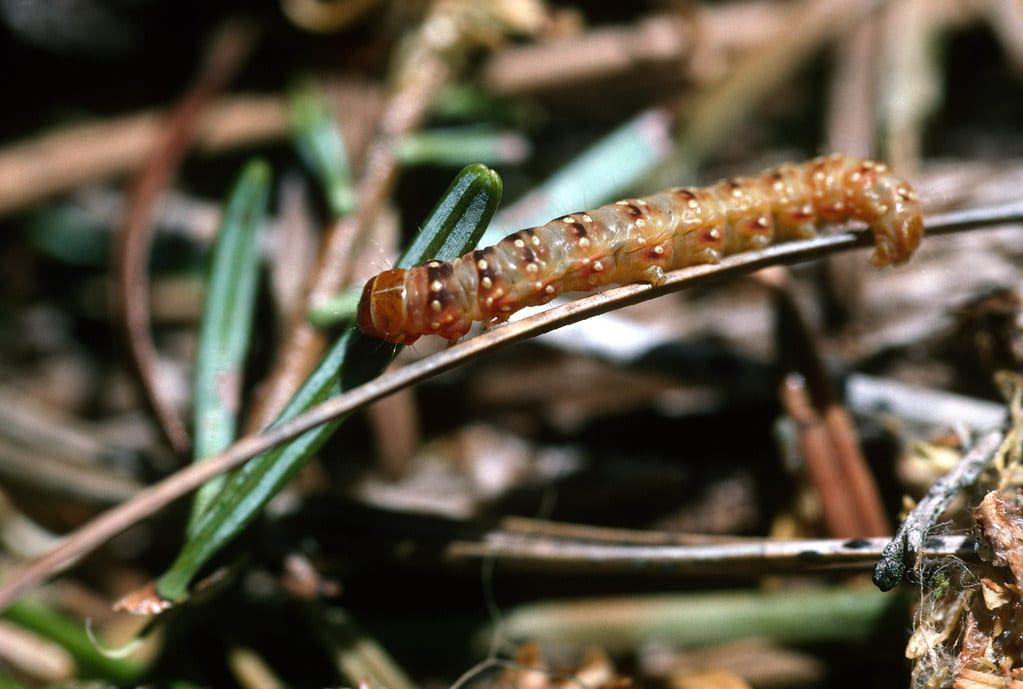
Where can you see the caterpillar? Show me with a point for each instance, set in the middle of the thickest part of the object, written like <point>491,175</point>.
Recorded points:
<point>638,240</point>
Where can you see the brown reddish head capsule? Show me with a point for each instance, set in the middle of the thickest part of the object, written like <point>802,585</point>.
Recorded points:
<point>382,307</point>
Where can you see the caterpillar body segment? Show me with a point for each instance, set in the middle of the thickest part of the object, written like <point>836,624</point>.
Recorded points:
<point>639,240</point>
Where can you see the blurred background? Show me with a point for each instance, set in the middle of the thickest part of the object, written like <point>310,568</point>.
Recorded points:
<point>422,544</point>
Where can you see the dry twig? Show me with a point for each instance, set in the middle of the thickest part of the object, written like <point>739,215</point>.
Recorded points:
<point>742,558</point>
<point>911,536</point>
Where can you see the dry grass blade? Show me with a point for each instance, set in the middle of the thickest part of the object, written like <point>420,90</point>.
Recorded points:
<point>59,476</point>
<point>58,161</point>
<point>149,501</point>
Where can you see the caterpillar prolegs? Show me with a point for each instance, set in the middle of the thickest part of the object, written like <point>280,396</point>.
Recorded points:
<point>638,240</point>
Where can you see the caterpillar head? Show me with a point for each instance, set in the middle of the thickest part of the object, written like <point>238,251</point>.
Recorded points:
<point>382,308</point>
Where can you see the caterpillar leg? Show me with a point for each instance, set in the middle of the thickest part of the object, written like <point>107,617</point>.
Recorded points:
<point>655,276</point>
<point>495,321</point>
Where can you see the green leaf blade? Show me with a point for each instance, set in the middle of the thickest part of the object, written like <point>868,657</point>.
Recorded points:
<point>226,326</point>
<point>321,145</point>
<point>453,227</point>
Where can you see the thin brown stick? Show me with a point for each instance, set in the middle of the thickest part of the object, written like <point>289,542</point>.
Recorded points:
<point>850,498</point>
<point>227,53</point>
<point>859,479</point>
<point>113,521</point>
<point>744,557</point>
<point>840,514</point>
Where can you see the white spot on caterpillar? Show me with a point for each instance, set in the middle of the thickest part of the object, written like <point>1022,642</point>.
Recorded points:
<point>435,305</point>
<point>598,266</point>
<point>659,250</point>
<point>538,285</point>
<point>549,289</point>
<point>519,243</point>
<point>434,264</point>
<point>535,240</point>
<point>584,242</point>
<point>436,286</point>
<point>532,267</point>
<point>482,265</point>
<point>587,218</point>
<point>640,222</point>
<point>487,283</point>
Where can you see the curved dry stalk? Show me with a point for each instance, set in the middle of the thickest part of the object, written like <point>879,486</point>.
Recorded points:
<point>90,536</point>
<point>227,53</point>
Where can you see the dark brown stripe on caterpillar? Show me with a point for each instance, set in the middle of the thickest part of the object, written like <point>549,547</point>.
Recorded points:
<point>638,240</point>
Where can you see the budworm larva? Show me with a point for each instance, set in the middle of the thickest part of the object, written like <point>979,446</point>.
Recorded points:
<point>638,240</point>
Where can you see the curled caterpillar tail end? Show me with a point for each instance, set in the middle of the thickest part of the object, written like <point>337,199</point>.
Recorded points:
<point>897,221</point>
<point>382,308</point>
<point>896,241</point>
